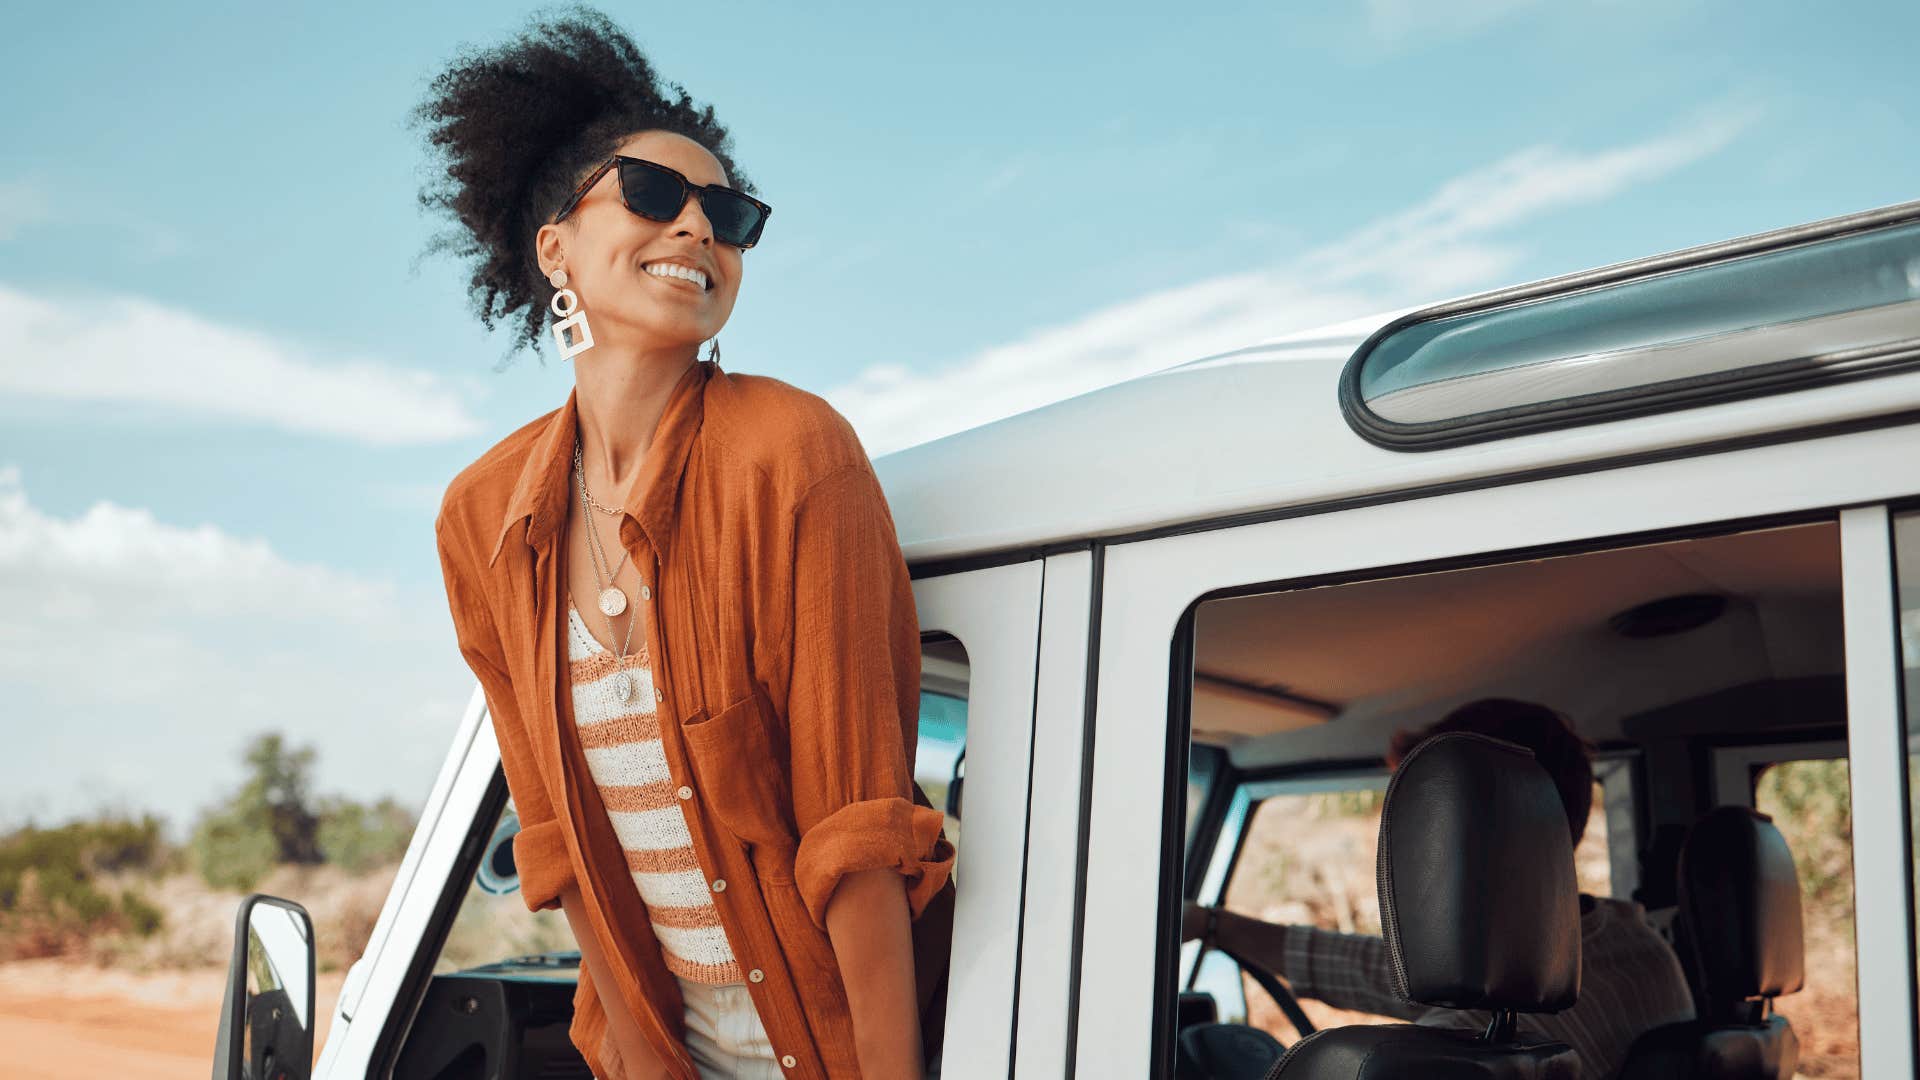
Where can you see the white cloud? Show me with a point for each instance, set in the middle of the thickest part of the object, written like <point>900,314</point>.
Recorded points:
<point>120,563</point>
<point>137,657</point>
<point>124,349</point>
<point>1442,246</point>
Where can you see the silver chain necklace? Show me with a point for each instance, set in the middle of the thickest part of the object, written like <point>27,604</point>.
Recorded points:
<point>612,600</point>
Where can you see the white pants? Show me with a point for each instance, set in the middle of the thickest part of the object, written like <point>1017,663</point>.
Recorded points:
<point>724,1035</point>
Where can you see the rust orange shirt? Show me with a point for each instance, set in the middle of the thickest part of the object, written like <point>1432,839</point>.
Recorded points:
<point>786,651</point>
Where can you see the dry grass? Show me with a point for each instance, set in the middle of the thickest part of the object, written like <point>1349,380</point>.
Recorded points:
<point>199,920</point>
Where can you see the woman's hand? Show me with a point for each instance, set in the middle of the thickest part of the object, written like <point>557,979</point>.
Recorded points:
<point>624,1051</point>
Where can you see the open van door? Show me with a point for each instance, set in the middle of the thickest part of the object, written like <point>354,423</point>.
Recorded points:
<point>980,635</point>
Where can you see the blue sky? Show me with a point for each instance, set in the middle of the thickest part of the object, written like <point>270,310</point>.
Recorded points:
<point>231,391</point>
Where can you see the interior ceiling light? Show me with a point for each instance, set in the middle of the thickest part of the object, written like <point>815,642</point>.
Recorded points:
<point>1669,615</point>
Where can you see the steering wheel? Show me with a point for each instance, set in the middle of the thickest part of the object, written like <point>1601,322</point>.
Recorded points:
<point>1239,1051</point>
<point>1276,989</point>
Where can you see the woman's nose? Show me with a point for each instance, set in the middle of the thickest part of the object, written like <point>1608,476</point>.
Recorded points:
<point>693,221</point>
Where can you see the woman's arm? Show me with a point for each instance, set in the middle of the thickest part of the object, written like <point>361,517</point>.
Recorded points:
<point>871,930</point>
<point>632,1056</point>
<point>539,850</point>
<point>870,859</point>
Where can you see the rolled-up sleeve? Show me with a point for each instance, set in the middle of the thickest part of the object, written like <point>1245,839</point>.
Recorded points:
<point>539,849</point>
<point>853,698</point>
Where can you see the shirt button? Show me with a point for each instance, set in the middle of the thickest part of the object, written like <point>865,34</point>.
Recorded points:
<point>719,884</point>
<point>787,1060</point>
<point>685,792</point>
<point>659,694</point>
<point>645,592</point>
<point>756,975</point>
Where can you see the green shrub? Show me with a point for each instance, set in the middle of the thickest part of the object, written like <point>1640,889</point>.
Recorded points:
<point>69,855</point>
<point>267,821</point>
<point>273,819</point>
<point>233,849</point>
<point>50,900</point>
<point>141,916</point>
<point>1810,802</point>
<point>359,837</point>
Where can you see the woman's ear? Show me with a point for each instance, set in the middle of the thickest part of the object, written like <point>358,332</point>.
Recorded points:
<point>549,249</point>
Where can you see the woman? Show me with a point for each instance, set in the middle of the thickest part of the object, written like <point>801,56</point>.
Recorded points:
<point>683,597</point>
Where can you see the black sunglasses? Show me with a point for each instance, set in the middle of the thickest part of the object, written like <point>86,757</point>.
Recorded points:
<point>657,193</point>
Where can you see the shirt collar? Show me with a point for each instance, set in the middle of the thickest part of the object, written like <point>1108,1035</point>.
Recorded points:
<point>546,479</point>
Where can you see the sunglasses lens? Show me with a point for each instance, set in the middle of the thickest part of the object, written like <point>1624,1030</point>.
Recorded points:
<point>650,192</point>
<point>735,219</point>
<point>654,193</point>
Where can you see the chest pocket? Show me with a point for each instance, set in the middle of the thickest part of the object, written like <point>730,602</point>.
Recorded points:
<point>739,760</point>
<point>739,755</point>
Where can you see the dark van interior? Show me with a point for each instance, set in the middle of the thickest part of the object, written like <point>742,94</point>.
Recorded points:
<point>1705,674</point>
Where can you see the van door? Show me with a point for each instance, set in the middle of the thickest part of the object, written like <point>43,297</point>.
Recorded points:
<point>980,644</point>
<point>1150,590</point>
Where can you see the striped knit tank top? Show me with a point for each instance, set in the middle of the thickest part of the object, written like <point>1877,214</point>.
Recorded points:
<point>629,766</point>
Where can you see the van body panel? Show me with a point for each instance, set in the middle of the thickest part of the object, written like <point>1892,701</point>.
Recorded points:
<point>1053,820</point>
<point>995,614</point>
<point>1260,432</point>
<point>1877,740</point>
<point>1151,584</point>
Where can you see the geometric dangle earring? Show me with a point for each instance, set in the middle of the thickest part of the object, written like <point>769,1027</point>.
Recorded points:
<point>566,308</point>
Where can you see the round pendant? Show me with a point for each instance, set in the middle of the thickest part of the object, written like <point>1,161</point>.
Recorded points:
<point>612,602</point>
<point>623,687</point>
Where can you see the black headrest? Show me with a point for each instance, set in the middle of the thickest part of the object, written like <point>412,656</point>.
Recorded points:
<point>1477,892</point>
<point>1741,898</point>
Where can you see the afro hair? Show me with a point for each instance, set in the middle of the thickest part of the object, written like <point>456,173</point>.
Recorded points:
<point>514,127</point>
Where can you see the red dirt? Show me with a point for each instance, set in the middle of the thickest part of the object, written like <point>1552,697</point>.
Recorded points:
<point>60,1019</point>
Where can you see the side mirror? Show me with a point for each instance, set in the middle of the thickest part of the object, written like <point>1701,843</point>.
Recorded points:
<point>266,1019</point>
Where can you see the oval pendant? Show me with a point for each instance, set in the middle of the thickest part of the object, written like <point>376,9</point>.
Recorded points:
<point>612,602</point>
<point>623,687</point>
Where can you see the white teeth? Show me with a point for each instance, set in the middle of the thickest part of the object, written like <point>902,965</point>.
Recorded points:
<point>669,269</point>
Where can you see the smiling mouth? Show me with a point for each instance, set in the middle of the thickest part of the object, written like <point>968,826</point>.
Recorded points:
<point>672,271</point>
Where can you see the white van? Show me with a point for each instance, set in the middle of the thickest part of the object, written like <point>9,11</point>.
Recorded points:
<point>1172,624</point>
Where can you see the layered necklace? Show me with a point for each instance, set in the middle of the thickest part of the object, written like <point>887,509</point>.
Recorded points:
<point>612,599</point>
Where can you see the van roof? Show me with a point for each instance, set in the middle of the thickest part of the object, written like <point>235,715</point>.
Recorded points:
<point>1259,429</point>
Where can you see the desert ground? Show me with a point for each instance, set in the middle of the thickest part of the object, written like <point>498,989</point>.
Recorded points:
<point>60,1020</point>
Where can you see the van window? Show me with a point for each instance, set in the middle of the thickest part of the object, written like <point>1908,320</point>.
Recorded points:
<point>1642,661</point>
<point>493,924</point>
<point>1810,803</point>
<point>939,764</point>
<point>1787,311</point>
<point>1308,860</point>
